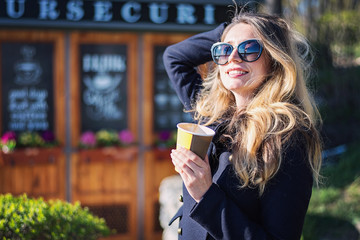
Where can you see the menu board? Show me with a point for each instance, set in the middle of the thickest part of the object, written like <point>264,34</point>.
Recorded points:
<point>168,110</point>
<point>103,86</point>
<point>27,86</point>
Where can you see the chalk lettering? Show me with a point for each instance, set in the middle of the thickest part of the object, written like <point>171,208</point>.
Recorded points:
<point>104,63</point>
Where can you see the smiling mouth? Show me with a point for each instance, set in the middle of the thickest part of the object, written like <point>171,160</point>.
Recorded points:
<point>236,73</point>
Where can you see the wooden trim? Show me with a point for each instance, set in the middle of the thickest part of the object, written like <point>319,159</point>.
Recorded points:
<point>1,105</point>
<point>59,88</point>
<point>74,89</point>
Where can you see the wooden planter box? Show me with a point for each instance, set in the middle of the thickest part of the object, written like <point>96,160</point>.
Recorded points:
<point>38,172</point>
<point>109,154</point>
<point>162,154</point>
<point>104,174</point>
<point>105,180</point>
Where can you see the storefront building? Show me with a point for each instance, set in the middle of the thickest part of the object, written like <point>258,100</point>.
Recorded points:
<point>72,68</point>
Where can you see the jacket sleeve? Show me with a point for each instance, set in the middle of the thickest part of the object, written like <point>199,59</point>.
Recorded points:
<point>181,60</point>
<point>282,206</point>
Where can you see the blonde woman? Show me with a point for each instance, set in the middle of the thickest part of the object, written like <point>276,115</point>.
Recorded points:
<point>257,178</point>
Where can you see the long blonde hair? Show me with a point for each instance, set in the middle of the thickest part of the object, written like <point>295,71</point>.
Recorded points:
<point>281,106</point>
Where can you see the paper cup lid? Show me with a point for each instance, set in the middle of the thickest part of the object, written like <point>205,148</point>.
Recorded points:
<point>196,129</point>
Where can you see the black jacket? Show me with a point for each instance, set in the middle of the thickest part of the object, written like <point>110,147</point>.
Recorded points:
<point>226,211</point>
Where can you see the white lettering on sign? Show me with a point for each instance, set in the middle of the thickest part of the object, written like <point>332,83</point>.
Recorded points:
<point>131,12</point>
<point>158,12</point>
<point>102,76</point>
<point>17,126</point>
<point>185,14</point>
<point>75,12</point>
<point>104,63</point>
<point>28,109</point>
<point>38,125</point>
<point>209,14</point>
<point>10,8</point>
<point>48,10</point>
<point>102,105</point>
<point>102,11</point>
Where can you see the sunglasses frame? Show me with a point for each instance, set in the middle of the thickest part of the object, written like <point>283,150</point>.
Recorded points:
<point>237,49</point>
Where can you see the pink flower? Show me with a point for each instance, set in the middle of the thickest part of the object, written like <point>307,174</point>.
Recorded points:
<point>8,136</point>
<point>48,136</point>
<point>164,135</point>
<point>126,137</point>
<point>88,138</point>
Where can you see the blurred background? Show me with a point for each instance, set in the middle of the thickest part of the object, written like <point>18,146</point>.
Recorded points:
<point>332,28</point>
<point>87,113</point>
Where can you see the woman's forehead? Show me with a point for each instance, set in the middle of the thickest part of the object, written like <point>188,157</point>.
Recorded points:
<point>239,33</point>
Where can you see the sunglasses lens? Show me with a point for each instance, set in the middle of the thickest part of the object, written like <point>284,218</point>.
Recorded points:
<point>221,53</point>
<point>250,50</point>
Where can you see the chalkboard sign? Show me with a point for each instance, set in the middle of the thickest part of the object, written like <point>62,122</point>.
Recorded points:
<point>168,110</point>
<point>27,86</point>
<point>103,74</point>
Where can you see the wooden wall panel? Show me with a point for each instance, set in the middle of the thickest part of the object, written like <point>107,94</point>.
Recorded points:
<point>105,179</point>
<point>38,172</point>
<point>101,179</point>
<point>158,163</point>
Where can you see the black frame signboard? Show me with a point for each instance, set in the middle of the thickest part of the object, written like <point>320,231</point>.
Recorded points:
<point>168,110</point>
<point>103,77</point>
<point>114,14</point>
<point>27,86</point>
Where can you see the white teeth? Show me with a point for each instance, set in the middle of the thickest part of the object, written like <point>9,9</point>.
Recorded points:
<point>237,72</point>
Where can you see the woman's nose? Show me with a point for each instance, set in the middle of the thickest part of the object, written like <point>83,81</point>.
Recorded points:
<point>234,56</point>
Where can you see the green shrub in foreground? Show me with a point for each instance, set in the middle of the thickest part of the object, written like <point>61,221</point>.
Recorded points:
<point>23,218</point>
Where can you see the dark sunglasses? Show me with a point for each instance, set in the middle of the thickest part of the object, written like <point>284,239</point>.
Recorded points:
<point>249,51</point>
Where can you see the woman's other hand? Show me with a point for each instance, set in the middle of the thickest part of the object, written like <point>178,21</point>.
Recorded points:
<point>194,171</point>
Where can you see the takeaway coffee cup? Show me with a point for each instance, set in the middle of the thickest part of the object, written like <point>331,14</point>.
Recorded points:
<point>194,137</point>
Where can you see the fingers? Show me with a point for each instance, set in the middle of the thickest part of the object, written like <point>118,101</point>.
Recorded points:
<point>187,161</point>
<point>194,171</point>
<point>182,163</point>
<point>185,158</point>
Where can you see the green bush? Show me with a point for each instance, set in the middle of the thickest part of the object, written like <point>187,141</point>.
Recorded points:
<point>334,209</point>
<point>23,218</point>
